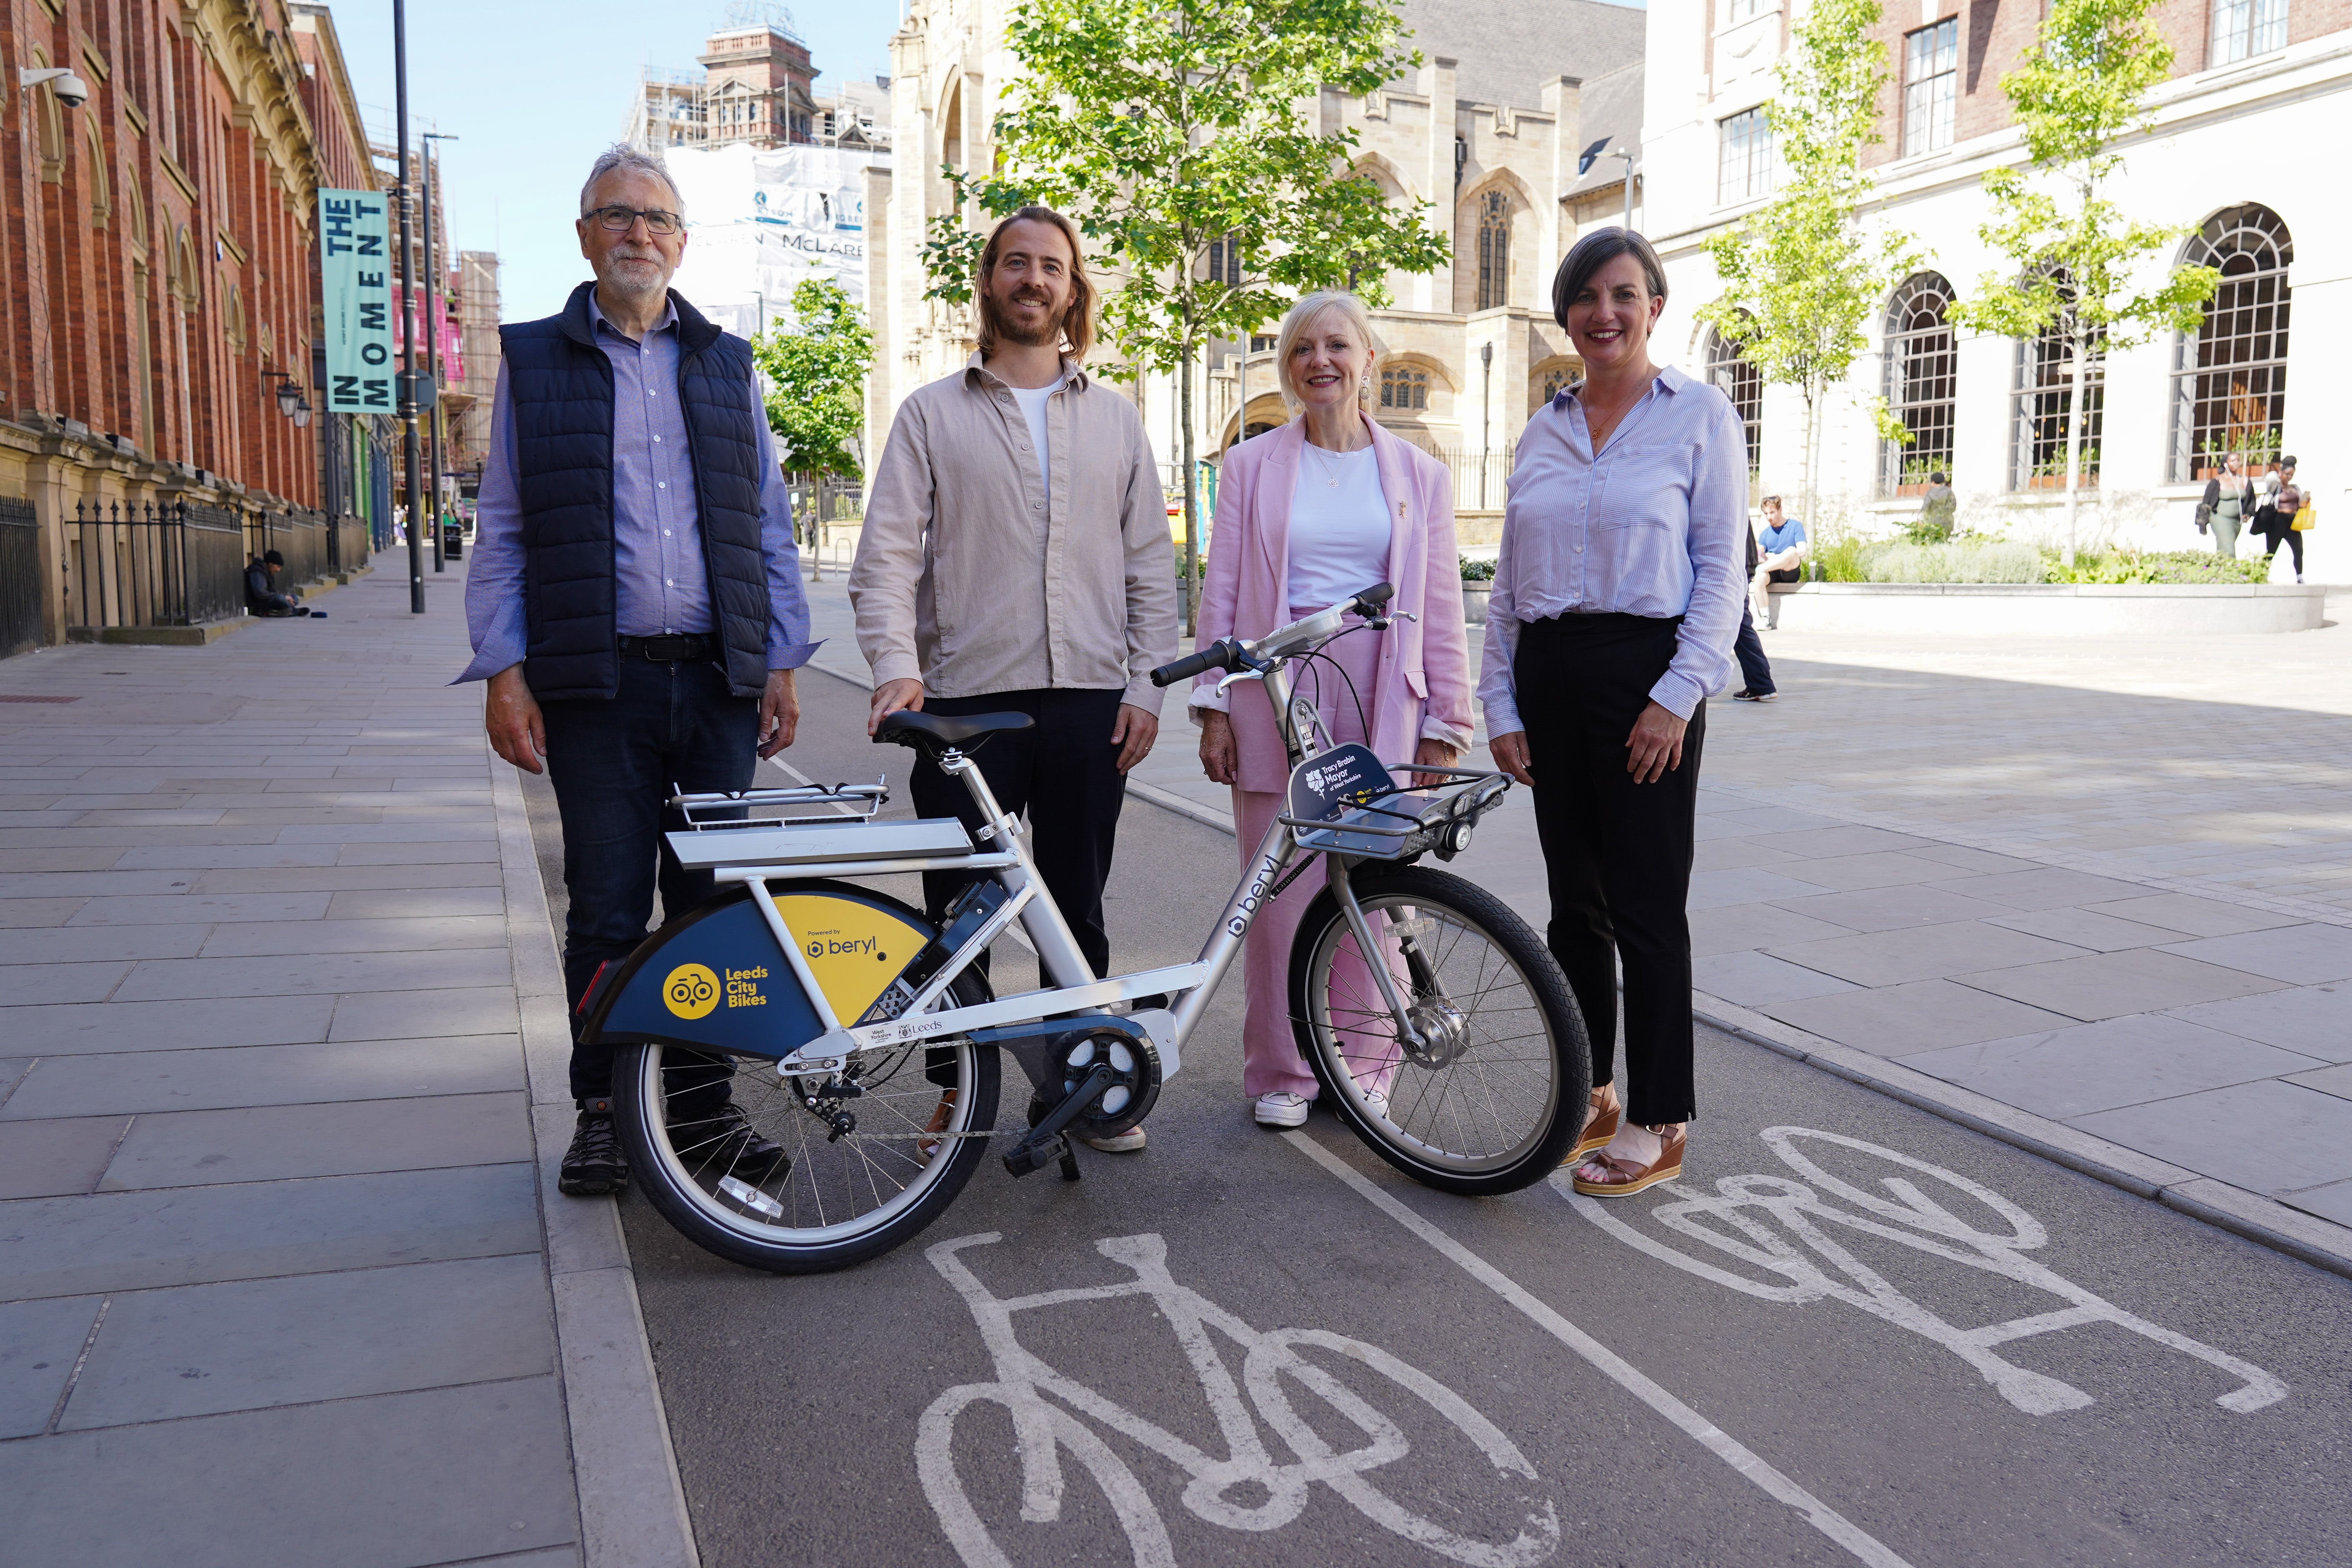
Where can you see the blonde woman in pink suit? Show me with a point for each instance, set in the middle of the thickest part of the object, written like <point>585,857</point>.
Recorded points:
<point>1306,515</point>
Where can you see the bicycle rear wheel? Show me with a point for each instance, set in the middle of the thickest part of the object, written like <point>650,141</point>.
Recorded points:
<point>840,1200</point>
<point>1494,1097</point>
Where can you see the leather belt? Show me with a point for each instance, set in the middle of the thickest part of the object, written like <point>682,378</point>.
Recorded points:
<point>669,648</point>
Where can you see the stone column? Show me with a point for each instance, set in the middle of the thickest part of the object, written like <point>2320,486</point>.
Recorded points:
<point>1436,291</point>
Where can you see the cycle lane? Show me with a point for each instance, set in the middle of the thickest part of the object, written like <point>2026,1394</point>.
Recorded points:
<point>810,1440</point>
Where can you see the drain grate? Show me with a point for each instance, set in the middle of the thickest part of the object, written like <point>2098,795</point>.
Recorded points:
<point>5,697</point>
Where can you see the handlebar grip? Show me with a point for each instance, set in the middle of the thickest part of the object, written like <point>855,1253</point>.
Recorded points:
<point>1373,598</point>
<point>1218,655</point>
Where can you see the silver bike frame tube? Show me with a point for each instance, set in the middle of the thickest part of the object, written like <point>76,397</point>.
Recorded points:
<point>1049,933</point>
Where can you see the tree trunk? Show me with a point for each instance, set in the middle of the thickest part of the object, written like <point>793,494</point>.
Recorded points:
<point>2074,399</point>
<point>1192,494</point>
<point>1805,464</point>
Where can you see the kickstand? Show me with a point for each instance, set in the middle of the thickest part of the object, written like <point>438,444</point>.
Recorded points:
<point>1069,1161</point>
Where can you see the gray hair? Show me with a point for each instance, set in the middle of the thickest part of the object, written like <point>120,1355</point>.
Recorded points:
<point>622,158</point>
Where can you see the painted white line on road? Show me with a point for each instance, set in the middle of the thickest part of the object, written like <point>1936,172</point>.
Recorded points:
<point>1624,1374</point>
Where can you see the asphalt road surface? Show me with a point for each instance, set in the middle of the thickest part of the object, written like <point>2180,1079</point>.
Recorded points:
<point>1852,1333</point>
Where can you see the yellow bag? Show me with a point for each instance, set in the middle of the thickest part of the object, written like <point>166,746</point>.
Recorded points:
<point>2306,520</point>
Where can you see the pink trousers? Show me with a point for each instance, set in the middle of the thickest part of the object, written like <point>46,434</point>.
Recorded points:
<point>1270,1058</point>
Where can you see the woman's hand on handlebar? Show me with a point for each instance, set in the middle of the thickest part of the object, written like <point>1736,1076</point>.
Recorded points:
<point>1510,754</point>
<point>1218,755</point>
<point>889,697</point>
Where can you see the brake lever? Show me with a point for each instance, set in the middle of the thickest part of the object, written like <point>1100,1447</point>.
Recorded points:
<point>1239,675</point>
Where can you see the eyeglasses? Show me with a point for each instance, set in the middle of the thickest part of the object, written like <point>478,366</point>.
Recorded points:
<point>619,220</point>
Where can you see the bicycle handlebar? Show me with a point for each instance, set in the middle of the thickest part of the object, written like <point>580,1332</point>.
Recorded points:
<point>1218,655</point>
<point>1373,598</point>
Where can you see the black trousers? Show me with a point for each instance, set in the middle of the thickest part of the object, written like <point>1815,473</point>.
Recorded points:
<point>2277,530</point>
<point>1064,772</point>
<point>612,765</point>
<point>1754,669</point>
<point>1617,854</point>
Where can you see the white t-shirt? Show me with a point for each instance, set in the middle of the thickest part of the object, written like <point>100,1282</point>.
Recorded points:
<point>1033,409</point>
<point>1338,527</point>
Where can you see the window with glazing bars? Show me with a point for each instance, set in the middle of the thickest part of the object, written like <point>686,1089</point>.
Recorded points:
<point>1493,249</point>
<point>1920,365</point>
<point>2245,27</point>
<point>1729,369</point>
<point>1226,262</point>
<point>1931,80</point>
<point>1404,389</point>
<point>1746,167</point>
<point>1737,11</point>
<point>2038,402</point>
<point>2229,377</point>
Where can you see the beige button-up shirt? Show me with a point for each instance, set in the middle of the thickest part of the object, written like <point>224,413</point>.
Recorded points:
<point>975,578</point>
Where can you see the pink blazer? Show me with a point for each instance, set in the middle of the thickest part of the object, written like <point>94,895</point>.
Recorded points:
<point>1423,687</point>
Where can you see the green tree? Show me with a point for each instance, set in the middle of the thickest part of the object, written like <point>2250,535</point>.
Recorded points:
<point>816,375</point>
<point>1804,275</point>
<point>1164,127</point>
<point>2084,83</point>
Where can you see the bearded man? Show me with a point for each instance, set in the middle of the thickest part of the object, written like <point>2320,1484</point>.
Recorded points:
<point>1015,558</point>
<point>634,601</point>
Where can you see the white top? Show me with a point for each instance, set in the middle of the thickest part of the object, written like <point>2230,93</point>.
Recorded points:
<point>1033,409</point>
<point>1338,527</point>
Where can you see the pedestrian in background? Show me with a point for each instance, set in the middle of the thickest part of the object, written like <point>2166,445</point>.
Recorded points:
<point>2227,498</point>
<point>1755,670</point>
<point>634,601</point>
<point>2274,519</point>
<point>1780,559</point>
<point>1615,604</point>
<point>1309,516</point>
<point>1016,559</point>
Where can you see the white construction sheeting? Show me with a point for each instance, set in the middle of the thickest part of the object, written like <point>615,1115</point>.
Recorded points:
<point>761,221</point>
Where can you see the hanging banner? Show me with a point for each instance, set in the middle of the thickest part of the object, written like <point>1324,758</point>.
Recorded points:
<point>355,268</point>
<point>761,220</point>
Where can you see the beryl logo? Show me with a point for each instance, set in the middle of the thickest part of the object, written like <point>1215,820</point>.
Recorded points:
<point>691,990</point>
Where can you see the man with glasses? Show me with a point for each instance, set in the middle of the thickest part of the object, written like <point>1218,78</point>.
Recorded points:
<point>636,606</point>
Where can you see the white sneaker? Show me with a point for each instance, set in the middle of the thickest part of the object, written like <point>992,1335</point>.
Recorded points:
<point>1375,1102</point>
<point>1127,1143</point>
<point>1282,1109</point>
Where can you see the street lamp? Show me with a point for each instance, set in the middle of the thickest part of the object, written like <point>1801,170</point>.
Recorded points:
<point>1595,152</point>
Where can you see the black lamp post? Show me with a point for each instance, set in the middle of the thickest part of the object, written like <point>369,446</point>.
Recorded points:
<point>436,278</point>
<point>408,319</point>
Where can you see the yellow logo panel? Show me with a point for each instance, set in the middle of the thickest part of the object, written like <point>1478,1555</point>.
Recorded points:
<point>691,991</point>
<point>854,949</point>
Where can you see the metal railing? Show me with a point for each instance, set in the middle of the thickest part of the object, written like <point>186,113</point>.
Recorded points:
<point>300,536</point>
<point>142,564</point>
<point>20,577</point>
<point>1479,478</point>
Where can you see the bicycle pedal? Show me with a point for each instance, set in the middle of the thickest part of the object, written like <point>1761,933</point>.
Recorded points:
<point>1069,1161</point>
<point>1033,1154</point>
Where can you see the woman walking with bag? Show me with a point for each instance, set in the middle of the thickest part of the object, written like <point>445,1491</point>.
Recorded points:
<point>1614,608</point>
<point>2226,503</point>
<point>1308,515</point>
<point>2281,518</point>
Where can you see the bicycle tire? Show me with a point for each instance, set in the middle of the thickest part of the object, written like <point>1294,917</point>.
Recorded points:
<point>1412,1133</point>
<point>688,1195</point>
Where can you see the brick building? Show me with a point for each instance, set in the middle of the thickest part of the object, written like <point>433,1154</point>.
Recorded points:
<point>156,240</point>
<point>756,86</point>
<point>2226,158</point>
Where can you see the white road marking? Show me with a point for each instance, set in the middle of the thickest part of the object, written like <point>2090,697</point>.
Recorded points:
<point>1043,1429</point>
<point>1626,1375</point>
<point>1918,1222</point>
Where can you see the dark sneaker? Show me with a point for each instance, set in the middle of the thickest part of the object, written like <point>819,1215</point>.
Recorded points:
<point>728,1144</point>
<point>593,1166</point>
<point>1753,696</point>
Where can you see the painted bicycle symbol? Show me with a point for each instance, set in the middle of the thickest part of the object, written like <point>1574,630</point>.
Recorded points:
<point>1047,1426</point>
<point>1732,1219</point>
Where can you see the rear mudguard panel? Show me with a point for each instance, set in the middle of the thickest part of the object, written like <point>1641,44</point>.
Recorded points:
<point>713,978</point>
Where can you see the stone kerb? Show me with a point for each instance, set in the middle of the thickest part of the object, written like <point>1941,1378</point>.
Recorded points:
<point>2048,609</point>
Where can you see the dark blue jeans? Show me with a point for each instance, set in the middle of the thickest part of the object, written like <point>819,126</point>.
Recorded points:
<point>613,764</point>
<point>1754,669</point>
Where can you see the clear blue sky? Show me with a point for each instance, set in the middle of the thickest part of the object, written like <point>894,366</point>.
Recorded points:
<point>535,88</point>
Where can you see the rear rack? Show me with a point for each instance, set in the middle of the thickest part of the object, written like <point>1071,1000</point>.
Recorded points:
<point>827,804</point>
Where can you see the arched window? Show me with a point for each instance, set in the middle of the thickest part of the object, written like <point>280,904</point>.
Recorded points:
<point>1493,249</point>
<point>102,197</point>
<point>2045,382</point>
<point>1920,361</point>
<point>233,320</point>
<point>1729,369</point>
<point>2229,377</point>
<point>1403,389</point>
<point>1556,378</point>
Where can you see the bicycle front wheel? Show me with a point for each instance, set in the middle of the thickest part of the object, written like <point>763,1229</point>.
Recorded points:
<point>1493,1096</point>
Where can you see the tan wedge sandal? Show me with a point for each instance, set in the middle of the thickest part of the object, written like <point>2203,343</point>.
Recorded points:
<point>1623,1180</point>
<point>1602,1127</point>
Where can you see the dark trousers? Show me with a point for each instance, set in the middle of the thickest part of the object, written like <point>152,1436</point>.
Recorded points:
<point>1754,669</point>
<point>2277,530</point>
<point>1064,772</point>
<point>613,764</point>
<point>1617,854</point>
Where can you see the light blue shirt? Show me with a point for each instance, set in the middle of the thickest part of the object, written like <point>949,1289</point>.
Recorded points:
<point>1654,525</point>
<point>1776,539</point>
<point>661,581</point>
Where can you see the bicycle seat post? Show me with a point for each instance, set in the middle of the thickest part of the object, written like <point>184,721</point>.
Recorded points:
<point>1057,950</point>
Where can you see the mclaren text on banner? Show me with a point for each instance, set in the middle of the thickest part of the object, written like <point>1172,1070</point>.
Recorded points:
<point>354,270</point>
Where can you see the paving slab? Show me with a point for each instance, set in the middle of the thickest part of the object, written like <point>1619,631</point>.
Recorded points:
<point>1826,839</point>
<point>1753,885</point>
<point>190,1235</point>
<point>2188,914</point>
<point>1736,854</point>
<point>48,1159</point>
<point>2046,887</point>
<point>230,1075</point>
<point>422,1015</point>
<point>1899,1020</point>
<point>39,1343</point>
<point>2107,985</point>
<point>19,914</point>
<point>275,1143</point>
<point>1769,821</point>
<point>99,857</point>
<point>36,984</point>
<point>174,979</point>
<point>2065,1073</point>
<point>1887,909</point>
<point>356,1483</point>
<point>2333,1201</point>
<point>169,1025</point>
<point>209,908</point>
<point>347,879</point>
<point>1921,952</point>
<point>417,903</point>
<point>2298,954</point>
<point>1753,979</point>
<point>2086,928</point>
<point>2336,1080</point>
<point>2270,1138</point>
<point>203,1350</point>
<point>72,944</point>
<point>1735,927</point>
<point>290,938</point>
<point>203,857</point>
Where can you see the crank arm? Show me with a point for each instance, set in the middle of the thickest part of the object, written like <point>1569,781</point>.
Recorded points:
<point>1045,1140</point>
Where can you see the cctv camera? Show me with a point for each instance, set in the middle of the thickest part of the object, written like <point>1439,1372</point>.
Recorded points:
<point>71,90</point>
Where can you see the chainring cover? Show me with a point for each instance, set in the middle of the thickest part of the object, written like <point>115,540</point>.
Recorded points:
<point>1119,1107</point>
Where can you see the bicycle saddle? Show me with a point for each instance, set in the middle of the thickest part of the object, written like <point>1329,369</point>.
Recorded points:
<point>908,728</point>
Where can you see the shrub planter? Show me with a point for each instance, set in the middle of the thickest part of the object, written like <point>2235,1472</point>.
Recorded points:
<point>1474,603</point>
<point>2047,609</point>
